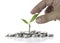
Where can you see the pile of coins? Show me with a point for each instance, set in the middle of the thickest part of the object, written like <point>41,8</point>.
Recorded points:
<point>30,34</point>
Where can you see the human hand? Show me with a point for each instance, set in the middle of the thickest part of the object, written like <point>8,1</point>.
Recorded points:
<point>51,13</point>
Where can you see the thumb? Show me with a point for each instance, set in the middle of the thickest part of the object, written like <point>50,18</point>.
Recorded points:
<point>41,19</point>
<point>47,17</point>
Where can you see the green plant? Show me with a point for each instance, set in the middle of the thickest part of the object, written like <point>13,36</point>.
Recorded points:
<point>32,19</point>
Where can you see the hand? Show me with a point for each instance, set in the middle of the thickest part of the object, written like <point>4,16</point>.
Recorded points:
<point>51,13</point>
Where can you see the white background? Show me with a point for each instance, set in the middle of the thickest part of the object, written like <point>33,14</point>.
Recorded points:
<point>11,12</point>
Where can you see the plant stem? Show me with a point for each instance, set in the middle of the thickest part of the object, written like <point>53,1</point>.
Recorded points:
<point>29,28</point>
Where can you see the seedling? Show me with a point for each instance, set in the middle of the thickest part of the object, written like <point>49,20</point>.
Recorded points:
<point>32,19</point>
<point>34,33</point>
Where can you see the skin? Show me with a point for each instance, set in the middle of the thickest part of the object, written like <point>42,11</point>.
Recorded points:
<point>51,13</point>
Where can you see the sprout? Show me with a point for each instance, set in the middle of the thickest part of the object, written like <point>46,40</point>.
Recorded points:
<point>32,19</point>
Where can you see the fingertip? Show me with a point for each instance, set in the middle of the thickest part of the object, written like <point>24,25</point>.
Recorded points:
<point>38,20</point>
<point>32,12</point>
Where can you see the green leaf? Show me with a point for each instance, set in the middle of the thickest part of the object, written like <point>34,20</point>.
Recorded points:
<point>24,21</point>
<point>34,17</point>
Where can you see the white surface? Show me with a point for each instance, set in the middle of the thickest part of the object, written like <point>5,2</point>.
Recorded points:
<point>10,13</point>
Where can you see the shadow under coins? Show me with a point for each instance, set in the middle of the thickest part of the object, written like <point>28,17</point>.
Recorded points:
<point>31,40</point>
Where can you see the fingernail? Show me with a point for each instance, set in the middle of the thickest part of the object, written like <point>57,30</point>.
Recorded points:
<point>38,21</point>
